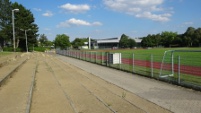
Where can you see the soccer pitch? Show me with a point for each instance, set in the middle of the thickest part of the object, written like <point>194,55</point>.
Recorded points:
<point>184,65</point>
<point>176,65</point>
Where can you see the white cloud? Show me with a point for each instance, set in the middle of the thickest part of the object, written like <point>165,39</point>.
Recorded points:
<point>72,8</point>
<point>47,29</point>
<point>188,23</point>
<point>150,9</point>
<point>155,17</point>
<point>77,22</point>
<point>97,23</point>
<point>37,9</point>
<point>48,14</point>
<point>185,24</point>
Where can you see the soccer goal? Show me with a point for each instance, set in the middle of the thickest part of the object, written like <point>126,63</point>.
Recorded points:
<point>177,62</point>
<point>167,65</point>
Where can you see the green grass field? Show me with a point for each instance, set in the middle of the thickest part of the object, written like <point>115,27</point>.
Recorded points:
<point>154,51</point>
<point>147,62</point>
<point>158,53</point>
<point>5,53</point>
<point>186,58</point>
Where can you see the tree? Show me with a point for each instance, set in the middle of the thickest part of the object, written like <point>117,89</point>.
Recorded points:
<point>49,43</point>
<point>5,21</point>
<point>156,40</point>
<point>168,38</point>
<point>124,43</point>
<point>78,42</point>
<point>196,39</point>
<point>131,43</point>
<point>146,41</point>
<point>189,33</point>
<point>62,41</point>
<point>43,40</point>
<point>192,37</point>
<point>24,20</point>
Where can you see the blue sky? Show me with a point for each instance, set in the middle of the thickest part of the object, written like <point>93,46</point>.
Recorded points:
<point>112,18</point>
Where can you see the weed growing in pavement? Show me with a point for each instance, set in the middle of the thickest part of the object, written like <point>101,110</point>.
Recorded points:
<point>49,67</point>
<point>109,104</point>
<point>123,95</point>
<point>34,85</point>
<point>37,68</point>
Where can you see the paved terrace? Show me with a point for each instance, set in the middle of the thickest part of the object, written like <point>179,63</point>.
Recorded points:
<point>176,99</point>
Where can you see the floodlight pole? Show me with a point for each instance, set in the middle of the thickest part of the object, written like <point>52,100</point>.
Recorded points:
<point>13,22</point>
<point>25,33</point>
<point>89,42</point>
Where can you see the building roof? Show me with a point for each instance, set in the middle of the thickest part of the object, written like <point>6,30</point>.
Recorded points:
<point>109,40</point>
<point>138,40</point>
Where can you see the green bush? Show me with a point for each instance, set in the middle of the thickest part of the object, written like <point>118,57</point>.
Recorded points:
<point>10,49</point>
<point>40,49</point>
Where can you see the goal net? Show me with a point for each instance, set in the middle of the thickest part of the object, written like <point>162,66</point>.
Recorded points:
<point>180,65</point>
<point>167,65</point>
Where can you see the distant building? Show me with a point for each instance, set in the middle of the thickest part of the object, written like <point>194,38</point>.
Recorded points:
<point>85,46</point>
<point>138,41</point>
<point>107,43</point>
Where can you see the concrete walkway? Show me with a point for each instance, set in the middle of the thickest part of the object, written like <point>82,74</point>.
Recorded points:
<point>176,99</point>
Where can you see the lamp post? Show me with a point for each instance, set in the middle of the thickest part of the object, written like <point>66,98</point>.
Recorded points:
<point>13,22</point>
<point>25,33</point>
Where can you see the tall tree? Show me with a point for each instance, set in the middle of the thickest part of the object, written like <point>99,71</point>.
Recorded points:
<point>62,41</point>
<point>189,34</point>
<point>197,37</point>
<point>5,22</point>
<point>131,43</point>
<point>43,40</point>
<point>157,40</point>
<point>168,38</point>
<point>124,43</point>
<point>24,20</point>
<point>78,42</point>
<point>147,41</point>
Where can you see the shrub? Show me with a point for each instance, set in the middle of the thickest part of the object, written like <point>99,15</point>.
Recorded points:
<point>10,49</point>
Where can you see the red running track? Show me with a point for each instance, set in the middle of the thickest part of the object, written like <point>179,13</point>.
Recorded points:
<point>192,70</point>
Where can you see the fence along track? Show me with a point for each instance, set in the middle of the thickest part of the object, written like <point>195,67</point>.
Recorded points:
<point>96,96</point>
<point>186,69</point>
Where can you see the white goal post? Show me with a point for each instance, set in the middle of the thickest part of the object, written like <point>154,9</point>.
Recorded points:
<point>167,68</point>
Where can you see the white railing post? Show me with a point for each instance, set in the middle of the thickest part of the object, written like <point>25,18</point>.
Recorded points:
<point>179,79</point>
<point>133,58</point>
<point>152,73</point>
<point>102,58</point>
<point>172,56</point>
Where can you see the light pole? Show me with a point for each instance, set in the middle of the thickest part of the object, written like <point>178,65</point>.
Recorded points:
<point>13,22</point>
<point>25,33</point>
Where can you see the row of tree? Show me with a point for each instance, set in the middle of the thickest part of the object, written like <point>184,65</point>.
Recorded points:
<point>126,42</point>
<point>191,38</point>
<point>62,42</point>
<point>24,20</point>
